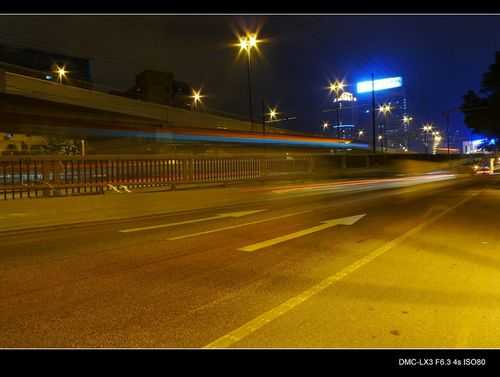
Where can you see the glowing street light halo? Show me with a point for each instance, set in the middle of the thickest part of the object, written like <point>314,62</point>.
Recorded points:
<point>273,113</point>
<point>336,86</point>
<point>197,97</point>
<point>61,72</point>
<point>248,42</point>
<point>407,119</point>
<point>384,108</point>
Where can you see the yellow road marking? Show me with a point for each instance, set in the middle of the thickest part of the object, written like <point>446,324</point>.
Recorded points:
<point>259,322</point>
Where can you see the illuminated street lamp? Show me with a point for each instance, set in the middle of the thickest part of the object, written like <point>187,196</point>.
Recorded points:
<point>246,44</point>
<point>385,108</point>
<point>325,126</point>
<point>407,119</point>
<point>196,98</point>
<point>406,122</point>
<point>272,114</point>
<point>427,128</point>
<point>436,141</point>
<point>381,141</point>
<point>337,87</point>
<point>61,73</point>
<point>360,133</point>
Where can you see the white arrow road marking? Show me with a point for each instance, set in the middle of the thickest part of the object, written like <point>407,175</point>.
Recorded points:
<point>216,217</point>
<point>325,225</point>
<point>238,225</point>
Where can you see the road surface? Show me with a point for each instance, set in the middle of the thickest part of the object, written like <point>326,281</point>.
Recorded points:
<point>404,267</point>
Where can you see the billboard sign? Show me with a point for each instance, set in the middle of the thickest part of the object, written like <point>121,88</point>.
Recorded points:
<point>380,84</point>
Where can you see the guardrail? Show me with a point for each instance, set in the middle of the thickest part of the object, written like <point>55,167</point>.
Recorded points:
<point>32,178</point>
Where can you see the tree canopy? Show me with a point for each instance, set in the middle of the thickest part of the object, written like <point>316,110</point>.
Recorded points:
<point>482,111</point>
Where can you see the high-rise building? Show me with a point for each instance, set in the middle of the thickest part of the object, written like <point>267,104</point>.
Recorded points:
<point>391,106</point>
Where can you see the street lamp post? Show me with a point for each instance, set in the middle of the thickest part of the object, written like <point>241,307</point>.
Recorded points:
<point>250,105</point>
<point>263,118</point>
<point>336,87</point>
<point>448,133</point>
<point>406,121</point>
<point>373,114</point>
<point>384,109</point>
<point>247,43</point>
<point>427,129</point>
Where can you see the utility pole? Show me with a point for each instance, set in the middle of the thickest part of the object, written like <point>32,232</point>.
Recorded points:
<point>448,133</point>
<point>250,95</point>
<point>374,131</point>
<point>337,133</point>
<point>263,118</point>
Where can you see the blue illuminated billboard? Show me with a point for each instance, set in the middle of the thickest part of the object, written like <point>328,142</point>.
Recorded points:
<point>381,84</point>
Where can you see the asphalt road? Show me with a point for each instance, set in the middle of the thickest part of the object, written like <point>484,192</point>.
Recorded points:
<point>406,267</point>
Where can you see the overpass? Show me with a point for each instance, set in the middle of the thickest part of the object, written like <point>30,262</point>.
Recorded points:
<point>33,105</point>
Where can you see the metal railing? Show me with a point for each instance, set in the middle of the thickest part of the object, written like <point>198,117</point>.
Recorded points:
<point>32,178</point>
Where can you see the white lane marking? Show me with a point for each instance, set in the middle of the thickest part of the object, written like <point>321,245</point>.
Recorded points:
<point>356,200</point>
<point>304,232</point>
<point>216,217</point>
<point>259,322</point>
<point>239,225</point>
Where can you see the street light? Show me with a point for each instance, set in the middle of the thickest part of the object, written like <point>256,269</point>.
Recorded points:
<point>196,98</point>
<point>325,126</point>
<point>61,73</point>
<point>247,43</point>
<point>381,141</point>
<point>336,87</point>
<point>273,113</point>
<point>436,141</point>
<point>406,121</point>
<point>427,128</point>
<point>384,109</point>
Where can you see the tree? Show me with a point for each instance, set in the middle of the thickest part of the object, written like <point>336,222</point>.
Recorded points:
<point>482,114</point>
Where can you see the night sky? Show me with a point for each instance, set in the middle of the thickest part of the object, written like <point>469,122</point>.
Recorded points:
<point>439,57</point>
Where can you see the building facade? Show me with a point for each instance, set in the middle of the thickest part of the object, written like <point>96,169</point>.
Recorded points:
<point>31,62</point>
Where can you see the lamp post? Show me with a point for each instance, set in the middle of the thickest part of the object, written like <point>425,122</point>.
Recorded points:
<point>246,44</point>
<point>427,128</point>
<point>406,121</point>
<point>373,114</point>
<point>337,87</point>
<point>384,109</point>
<point>381,141</point>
